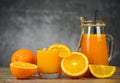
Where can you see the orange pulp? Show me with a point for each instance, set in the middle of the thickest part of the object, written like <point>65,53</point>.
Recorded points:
<point>95,48</point>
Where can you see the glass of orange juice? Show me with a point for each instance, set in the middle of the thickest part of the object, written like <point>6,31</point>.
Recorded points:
<point>93,42</point>
<point>48,63</point>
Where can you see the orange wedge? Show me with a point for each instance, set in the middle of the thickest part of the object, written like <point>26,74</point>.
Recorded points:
<point>62,49</point>
<point>102,71</point>
<point>23,69</point>
<point>75,66</point>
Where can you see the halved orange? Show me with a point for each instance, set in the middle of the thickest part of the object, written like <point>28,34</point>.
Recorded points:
<point>62,49</point>
<point>23,69</point>
<point>75,66</point>
<point>102,71</point>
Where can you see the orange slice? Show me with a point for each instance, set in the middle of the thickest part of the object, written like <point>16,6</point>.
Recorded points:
<point>23,69</point>
<point>75,66</point>
<point>63,50</point>
<point>102,71</point>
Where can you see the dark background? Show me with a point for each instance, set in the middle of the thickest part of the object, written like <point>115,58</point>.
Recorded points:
<point>36,24</point>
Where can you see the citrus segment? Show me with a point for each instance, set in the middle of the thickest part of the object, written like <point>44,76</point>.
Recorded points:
<point>23,69</point>
<point>75,65</point>
<point>63,50</point>
<point>102,71</point>
<point>24,55</point>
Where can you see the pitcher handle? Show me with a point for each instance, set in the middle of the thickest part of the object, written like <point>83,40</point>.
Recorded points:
<point>110,39</point>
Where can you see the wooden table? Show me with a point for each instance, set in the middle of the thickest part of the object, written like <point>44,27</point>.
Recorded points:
<point>6,77</point>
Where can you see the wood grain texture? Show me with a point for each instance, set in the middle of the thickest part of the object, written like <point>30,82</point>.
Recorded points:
<point>6,76</point>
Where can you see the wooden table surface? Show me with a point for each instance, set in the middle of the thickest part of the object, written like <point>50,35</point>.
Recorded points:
<point>6,77</point>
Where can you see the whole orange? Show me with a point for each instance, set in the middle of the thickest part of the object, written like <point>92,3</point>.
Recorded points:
<point>24,55</point>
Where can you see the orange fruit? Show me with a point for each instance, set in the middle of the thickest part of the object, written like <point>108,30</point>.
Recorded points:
<point>24,55</point>
<point>62,49</point>
<point>102,71</point>
<point>22,69</point>
<point>75,66</point>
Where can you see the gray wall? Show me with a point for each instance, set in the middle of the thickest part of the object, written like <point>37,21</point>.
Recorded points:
<point>36,24</point>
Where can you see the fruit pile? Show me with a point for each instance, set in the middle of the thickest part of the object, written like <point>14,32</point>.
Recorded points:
<point>23,63</point>
<point>73,64</point>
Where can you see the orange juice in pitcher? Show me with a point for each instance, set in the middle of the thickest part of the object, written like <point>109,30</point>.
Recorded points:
<point>97,52</point>
<point>93,42</point>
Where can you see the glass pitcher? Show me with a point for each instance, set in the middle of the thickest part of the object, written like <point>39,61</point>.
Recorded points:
<point>94,43</point>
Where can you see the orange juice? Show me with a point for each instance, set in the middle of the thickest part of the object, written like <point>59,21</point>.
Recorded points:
<point>48,61</point>
<point>94,46</point>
